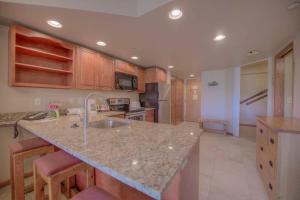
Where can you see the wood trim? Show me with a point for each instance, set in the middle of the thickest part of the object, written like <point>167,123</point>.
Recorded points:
<point>278,83</point>
<point>257,99</point>
<point>253,96</point>
<point>285,51</point>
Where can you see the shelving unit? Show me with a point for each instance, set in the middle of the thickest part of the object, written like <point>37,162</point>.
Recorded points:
<point>39,60</point>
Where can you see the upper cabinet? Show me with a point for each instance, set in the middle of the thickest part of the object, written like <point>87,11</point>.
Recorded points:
<point>86,61</point>
<point>94,70</point>
<point>125,67</point>
<point>141,79</point>
<point>39,60</point>
<point>105,72</point>
<point>155,75</point>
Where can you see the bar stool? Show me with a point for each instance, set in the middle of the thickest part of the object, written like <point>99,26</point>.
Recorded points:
<point>20,151</point>
<point>53,169</point>
<point>93,193</point>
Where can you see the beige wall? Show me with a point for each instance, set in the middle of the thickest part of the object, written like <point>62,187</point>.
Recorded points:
<point>254,78</point>
<point>13,99</point>
<point>296,101</point>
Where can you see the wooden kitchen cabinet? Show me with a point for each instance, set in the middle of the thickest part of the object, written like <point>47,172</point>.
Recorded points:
<point>85,68</point>
<point>150,115</point>
<point>39,60</point>
<point>141,79</point>
<point>125,67</point>
<point>155,75</point>
<point>105,77</point>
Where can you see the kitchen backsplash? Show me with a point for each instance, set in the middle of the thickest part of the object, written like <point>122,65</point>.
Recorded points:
<point>13,99</point>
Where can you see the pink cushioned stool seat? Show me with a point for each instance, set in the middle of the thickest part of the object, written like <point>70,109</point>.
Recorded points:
<point>55,162</point>
<point>29,144</point>
<point>93,193</point>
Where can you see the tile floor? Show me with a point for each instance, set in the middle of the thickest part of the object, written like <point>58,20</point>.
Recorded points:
<point>227,170</point>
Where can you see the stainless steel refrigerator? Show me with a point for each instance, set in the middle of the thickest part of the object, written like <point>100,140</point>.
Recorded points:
<point>158,96</point>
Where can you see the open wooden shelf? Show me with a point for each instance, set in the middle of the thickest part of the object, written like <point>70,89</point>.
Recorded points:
<point>35,52</point>
<point>39,85</point>
<point>35,67</point>
<point>39,60</point>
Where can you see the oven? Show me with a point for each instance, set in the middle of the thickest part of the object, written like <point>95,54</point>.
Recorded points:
<point>139,116</point>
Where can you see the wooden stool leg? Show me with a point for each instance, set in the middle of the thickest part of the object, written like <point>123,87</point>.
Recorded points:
<point>54,189</point>
<point>18,168</point>
<point>38,185</point>
<point>90,177</point>
<point>12,178</point>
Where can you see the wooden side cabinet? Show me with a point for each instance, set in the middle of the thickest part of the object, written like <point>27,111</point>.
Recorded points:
<point>278,159</point>
<point>150,115</point>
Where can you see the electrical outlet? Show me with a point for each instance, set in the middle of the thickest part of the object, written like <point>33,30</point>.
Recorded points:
<point>37,101</point>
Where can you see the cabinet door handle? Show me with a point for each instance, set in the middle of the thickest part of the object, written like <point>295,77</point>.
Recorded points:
<point>272,141</point>
<point>260,130</point>
<point>270,163</point>
<point>260,166</point>
<point>262,149</point>
<point>270,186</point>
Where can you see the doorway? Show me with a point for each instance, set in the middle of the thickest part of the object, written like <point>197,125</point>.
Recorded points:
<point>193,100</point>
<point>283,83</point>
<point>253,97</point>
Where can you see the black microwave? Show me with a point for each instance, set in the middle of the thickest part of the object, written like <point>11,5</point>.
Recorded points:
<point>126,81</point>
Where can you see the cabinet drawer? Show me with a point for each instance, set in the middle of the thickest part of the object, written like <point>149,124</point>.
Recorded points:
<point>261,166</point>
<point>271,187</point>
<point>261,149</point>
<point>271,166</point>
<point>272,142</point>
<point>261,133</point>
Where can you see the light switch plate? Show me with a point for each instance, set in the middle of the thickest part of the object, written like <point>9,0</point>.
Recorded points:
<point>37,101</point>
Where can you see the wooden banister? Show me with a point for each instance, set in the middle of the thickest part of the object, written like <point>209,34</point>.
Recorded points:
<point>257,99</point>
<point>255,95</point>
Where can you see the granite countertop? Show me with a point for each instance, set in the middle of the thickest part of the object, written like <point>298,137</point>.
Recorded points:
<point>9,119</point>
<point>143,155</point>
<point>281,124</point>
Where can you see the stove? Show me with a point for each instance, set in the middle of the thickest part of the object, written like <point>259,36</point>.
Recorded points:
<point>133,110</point>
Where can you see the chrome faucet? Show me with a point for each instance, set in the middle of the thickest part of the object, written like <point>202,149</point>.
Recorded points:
<point>86,114</point>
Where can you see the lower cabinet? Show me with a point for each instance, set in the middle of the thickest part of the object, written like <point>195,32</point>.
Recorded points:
<point>150,115</point>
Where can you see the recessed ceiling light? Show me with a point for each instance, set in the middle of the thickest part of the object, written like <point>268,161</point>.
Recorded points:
<point>294,5</point>
<point>253,52</point>
<point>192,75</point>
<point>101,43</point>
<point>54,23</point>
<point>219,37</point>
<point>170,66</point>
<point>134,57</point>
<point>175,14</point>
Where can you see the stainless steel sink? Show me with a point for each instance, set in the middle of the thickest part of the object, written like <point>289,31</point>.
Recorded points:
<point>107,123</point>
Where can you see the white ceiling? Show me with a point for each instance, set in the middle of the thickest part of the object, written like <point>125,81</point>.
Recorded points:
<point>133,8</point>
<point>264,25</point>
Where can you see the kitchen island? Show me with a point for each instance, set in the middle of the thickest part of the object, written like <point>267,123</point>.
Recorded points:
<point>145,156</point>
